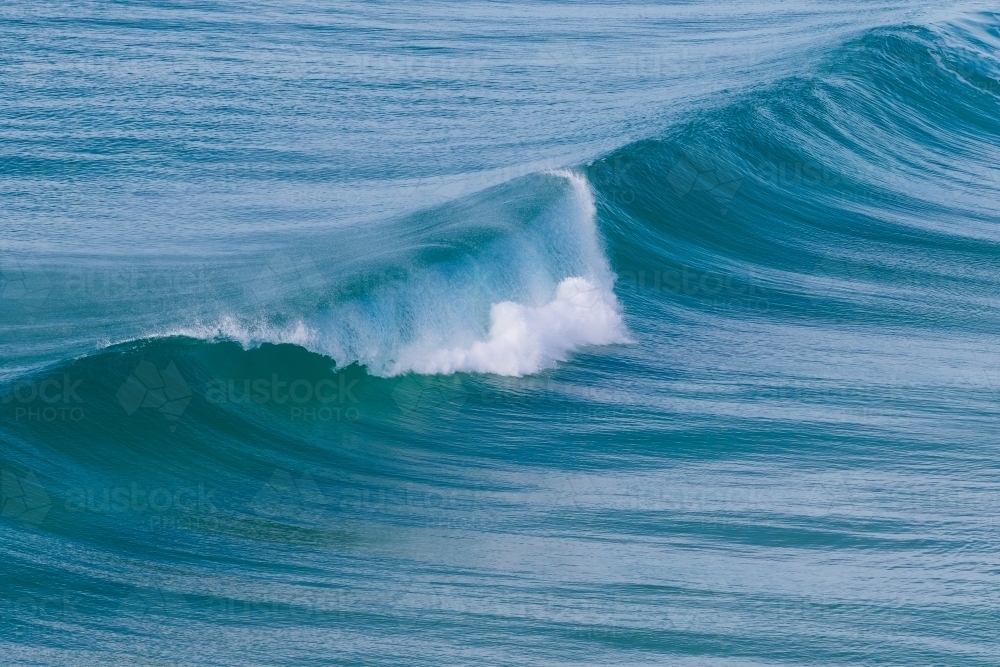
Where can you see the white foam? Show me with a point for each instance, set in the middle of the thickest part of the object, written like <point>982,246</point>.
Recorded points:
<point>525,339</point>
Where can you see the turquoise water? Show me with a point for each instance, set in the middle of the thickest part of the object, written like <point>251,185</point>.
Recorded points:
<point>474,333</point>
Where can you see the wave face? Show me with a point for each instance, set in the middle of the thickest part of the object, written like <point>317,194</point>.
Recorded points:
<point>480,291</point>
<point>726,394</point>
<point>545,283</point>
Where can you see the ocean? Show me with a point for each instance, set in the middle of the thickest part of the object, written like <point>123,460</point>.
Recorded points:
<point>499,333</point>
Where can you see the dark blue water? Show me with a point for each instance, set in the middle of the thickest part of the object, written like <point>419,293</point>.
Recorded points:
<point>475,333</point>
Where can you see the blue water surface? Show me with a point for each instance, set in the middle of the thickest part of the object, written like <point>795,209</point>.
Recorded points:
<point>487,333</point>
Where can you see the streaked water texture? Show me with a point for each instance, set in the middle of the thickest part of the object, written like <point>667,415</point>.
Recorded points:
<point>469,333</point>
